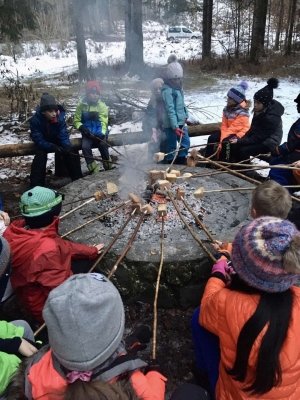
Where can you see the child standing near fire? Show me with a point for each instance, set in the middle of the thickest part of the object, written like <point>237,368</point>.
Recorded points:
<point>175,115</point>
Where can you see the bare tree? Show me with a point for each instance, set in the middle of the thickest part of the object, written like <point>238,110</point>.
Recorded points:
<point>258,29</point>
<point>290,26</point>
<point>207,28</point>
<point>279,24</point>
<point>134,58</point>
<point>78,6</point>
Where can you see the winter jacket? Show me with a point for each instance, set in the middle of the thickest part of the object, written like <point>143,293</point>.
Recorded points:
<point>154,114</point>
<point>41,260</point>
<point>289,151</point>
<point>10,341</point>
<point>266,127</point>
<point>224,312</point>
<point>175,110</point>
<point>47,135</point>
<point>235,121</point>
<point>46,383</point>
<point>94,117</point>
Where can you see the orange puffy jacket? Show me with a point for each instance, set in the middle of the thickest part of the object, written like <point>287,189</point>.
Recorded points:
<point>47,384</point>
<point>235,121</point>
<point>224,313</point>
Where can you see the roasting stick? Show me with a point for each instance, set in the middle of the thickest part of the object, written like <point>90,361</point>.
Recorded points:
<point>161,262</point>
<point>198,240</point>
<point>236,173</point>
<point>175,154</point>
<point>96,218</point>
<point>203,227</point>
<point>202,191</point>
<point>99,258</point>
<point>128,246</point>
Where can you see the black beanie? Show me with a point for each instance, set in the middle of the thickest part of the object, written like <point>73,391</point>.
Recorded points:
<point>297,99</point>
<point>48,102</point>
<point>265,95</point>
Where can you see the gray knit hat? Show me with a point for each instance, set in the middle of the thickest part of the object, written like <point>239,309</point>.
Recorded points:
<point>85,321</point>
<point>173,70</point>
<point>4,254</point>
<point>48,102</point>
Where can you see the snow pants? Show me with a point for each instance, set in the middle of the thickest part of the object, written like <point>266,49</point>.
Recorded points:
<point>171,144</point>
<point>87,145</point>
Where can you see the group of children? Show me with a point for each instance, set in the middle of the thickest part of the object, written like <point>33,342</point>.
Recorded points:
<point>48,130</point>
<point>245,334</point>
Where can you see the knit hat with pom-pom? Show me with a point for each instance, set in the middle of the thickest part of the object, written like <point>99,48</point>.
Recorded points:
<point>237,93</point>
<point>173,70</point>
<point>265,95</point>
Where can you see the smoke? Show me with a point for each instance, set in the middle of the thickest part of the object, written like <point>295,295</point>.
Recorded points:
<point>133,167</point>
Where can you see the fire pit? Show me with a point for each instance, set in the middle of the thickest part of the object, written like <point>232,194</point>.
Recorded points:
<point>186,266</point>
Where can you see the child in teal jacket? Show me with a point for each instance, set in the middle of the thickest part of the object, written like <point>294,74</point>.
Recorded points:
<point>174,121</point>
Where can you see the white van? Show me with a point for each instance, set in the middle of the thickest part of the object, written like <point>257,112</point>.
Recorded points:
<point>181,32</point>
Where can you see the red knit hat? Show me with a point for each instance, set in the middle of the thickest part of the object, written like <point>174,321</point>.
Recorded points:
<point>93,87</point>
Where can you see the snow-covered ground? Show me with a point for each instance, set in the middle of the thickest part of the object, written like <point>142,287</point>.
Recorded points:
<point>205,104</point>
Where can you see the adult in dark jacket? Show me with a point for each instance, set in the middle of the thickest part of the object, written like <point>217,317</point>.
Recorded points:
<point>287,153</point>
<point>265,132</point>
<point>49,133</point>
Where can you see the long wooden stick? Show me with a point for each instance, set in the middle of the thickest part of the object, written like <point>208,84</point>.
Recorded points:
<point>197,219</point>
<point>161,262</point>
<point>77,208</point>
<point>238,174</point>
<point>198,240</point>
<point>128,246</point>
<point>175,154</point>
<point>237,189</point>
<point>277,166</point>
<point>113,241</point>
<point>97,218</point>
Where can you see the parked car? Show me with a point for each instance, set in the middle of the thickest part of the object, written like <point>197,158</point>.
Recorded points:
<point>181,32</point>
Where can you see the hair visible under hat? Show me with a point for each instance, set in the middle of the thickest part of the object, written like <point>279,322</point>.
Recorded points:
<point>265,95</point>
<point>237,93</point>
<point>89,307</point>
<point>48,103</point>
<point>258,253</point>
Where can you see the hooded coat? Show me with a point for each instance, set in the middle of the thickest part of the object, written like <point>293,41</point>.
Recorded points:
<point>41,260</point>
<point>266,127</point>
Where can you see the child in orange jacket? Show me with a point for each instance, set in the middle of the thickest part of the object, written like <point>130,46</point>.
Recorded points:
<point>235,123</point>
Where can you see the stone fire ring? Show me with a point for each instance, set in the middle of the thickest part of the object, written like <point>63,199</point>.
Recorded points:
<point>186,266</point>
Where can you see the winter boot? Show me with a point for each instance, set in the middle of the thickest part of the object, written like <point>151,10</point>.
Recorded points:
<point>107,164</point>
<point>93,167</point>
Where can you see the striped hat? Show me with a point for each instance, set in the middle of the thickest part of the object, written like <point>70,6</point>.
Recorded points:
<point>257,254</point>
<point>237,93</point>
<point>38,201</point>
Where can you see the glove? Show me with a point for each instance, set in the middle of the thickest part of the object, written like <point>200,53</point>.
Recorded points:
<point>156,365</point>
<point>222,267</point>
<point>85,131</point>
<point>178,132</point>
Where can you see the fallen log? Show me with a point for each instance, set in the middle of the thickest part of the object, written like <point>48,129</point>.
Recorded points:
<point>119,139</point>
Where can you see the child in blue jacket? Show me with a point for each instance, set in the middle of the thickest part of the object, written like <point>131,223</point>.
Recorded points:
<point>175,116</point>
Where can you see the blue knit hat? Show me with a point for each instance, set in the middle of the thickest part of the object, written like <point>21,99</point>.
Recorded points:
<point>257,254</point>
<point>237,93</point>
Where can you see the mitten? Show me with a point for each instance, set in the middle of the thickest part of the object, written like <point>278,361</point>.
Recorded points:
<point>178,132</point>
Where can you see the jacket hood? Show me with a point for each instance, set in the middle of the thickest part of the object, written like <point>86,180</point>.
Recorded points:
<point>275,108</point>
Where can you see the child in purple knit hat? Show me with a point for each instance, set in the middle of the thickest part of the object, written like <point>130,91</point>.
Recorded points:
<point>253,308</point>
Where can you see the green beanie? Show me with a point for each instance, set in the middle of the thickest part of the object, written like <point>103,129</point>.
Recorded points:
<point>38,201</point>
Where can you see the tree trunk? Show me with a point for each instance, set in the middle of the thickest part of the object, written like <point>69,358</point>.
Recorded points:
<point>258,30</point>
<point>207,28</point>
<point>78,11</point>
<point>134,58</point>
<point>279,25</point>
<point>291,22</point>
